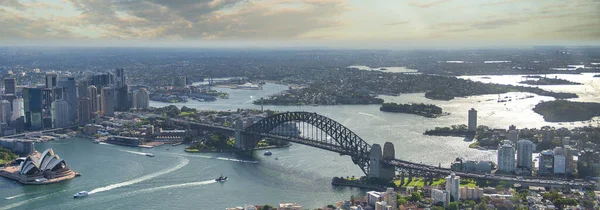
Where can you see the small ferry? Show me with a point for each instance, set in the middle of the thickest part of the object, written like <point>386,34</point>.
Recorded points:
<point>81,194</point>
<point>149,154</point>
<point>268,153</point>
<point>221,178</point>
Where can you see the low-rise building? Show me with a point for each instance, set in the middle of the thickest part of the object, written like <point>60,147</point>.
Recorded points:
<point>471,193</point>
<point>382,205</point>
<point>289,206</point>
<point>373,197</point>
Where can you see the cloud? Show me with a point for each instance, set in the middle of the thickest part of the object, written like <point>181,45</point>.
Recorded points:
<point>426,4</point>
<point>396,23</point>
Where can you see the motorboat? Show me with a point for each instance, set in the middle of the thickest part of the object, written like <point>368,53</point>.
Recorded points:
<point>268,153</point>
<point>81,194</point>
<point>96,142</point>
<point>149,154</point>
<point>221,178</point>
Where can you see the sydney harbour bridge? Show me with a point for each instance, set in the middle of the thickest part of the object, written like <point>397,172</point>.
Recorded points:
<point>321,132</point>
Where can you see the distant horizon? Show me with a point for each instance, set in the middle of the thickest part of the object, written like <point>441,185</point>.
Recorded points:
<point>339,24</point>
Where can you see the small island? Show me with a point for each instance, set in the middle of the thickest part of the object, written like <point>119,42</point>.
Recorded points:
<point>567,111</point>
<point>549,81</point>
<point>425,110</point>
<point>454,130</point>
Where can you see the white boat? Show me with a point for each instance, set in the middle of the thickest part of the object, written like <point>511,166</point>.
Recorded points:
<point>149,154</point>
<point>80,194</point>
<point>41,180</point>
<point>221,178</point>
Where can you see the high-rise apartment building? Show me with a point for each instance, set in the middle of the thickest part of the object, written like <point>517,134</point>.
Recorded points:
<point>524,155</point>
<point>453,186</point>
<point>472,120</point>
<point>506,157</point>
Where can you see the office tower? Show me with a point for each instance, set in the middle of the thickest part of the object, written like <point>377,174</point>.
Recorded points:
<point>108,104</point>
<point>513,136</point>
<point>60,114</point>
<point>122,98</point>
<point>69,95</point>
<point>453,186</point>
<point>141,100</point>
<point>472,120</point>
<point>99,103</point>
<point>51,80</point>
<point>10,86</point>
<point>17,109</point>
<point>101,80</point>
<point>560,164</point>
<point>82,89</point>
<point>84,110</point>
<point>506,157</point>
<point>32,101</point>
<point>5,112</point>
<point>524,155</point>
<point>120,77</point>
<point>92,93</point>
<point>49,95</point>
<point>546,164</point>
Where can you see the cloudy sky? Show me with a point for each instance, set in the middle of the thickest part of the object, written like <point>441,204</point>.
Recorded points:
<point>357,23</point>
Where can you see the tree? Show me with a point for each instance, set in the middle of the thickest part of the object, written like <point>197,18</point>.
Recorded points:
<point>481,206</point>
<point>330,206</point>
<point>401,201</point>
<point>414,197</point>
<point>588,204</point>
<point>437,208</point>
<point>452,206</point>
<point>267,207</point>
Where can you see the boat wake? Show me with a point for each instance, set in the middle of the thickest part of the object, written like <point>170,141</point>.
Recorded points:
<point>133,152</point>
<point>228,159</point>
<point>184,162</point>
<point>190,184</point>
<point>17,196</point>
<point>17,204</point>
<point>373,116</point>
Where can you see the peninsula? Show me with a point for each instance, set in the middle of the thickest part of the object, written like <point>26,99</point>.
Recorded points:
<point>567,111</point>
<point>549,81</point>
<point>425,110</point>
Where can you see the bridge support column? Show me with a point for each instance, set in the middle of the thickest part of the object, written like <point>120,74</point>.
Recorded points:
<point>388,172</point>
<point>375,157</point>
<point>239,137</point>
<point>402,176</point>
<point>410,175</point>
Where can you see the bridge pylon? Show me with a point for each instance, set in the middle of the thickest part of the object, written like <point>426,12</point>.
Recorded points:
<point>388,172</point>
<point>375,159</point>
<point>239,136</point>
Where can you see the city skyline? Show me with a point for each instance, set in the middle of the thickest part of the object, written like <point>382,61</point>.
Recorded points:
<point>302,23</point>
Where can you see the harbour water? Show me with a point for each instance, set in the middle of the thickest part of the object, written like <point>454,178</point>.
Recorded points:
<point>123,178</point>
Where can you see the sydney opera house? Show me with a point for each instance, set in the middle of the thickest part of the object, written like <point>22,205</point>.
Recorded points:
<point>37,168</point>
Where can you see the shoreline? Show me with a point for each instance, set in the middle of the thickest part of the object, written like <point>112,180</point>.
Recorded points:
<point>236,150</point>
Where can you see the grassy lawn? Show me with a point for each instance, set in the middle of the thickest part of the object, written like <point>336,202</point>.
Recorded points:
<point>183,114</point>
<point>474,144</point>
<point>418,182</point>
<point>192,150</point>
<point>3,162</point>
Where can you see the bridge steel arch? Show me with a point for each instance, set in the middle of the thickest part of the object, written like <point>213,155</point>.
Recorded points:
<point>342,140</point>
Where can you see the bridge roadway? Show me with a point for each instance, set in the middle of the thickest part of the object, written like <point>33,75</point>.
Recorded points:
<point>401,164</point>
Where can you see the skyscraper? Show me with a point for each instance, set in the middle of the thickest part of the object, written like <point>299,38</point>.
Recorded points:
<point>120,77</point>
<point>472,120</point>
<point>122,98</point>
<point>84,110</point>
<point>82,89</point>
<point>524,152</point>
<point>17,108</point>
<point>32,101</point>
<point>69,95</point>
<point>102,79</point>
<point>453,186</point>
<point>108,104</point>
<point>92,95</point>
<point>141,100</point>
<point>51,80</point>
<point>10,85</point>
<point>5,113</point>
<point>60,114</point>
<point>506,157</point>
